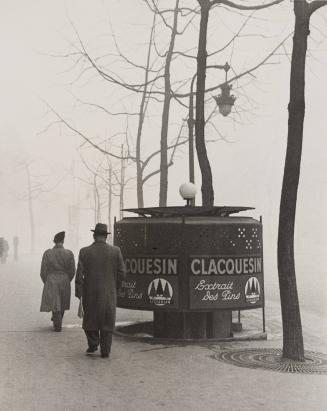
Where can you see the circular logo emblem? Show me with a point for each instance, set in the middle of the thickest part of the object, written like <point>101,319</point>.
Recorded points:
<point>252,290</point>
<point>160,292</point>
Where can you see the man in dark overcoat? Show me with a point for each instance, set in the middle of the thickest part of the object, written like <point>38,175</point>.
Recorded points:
<point>99,267</point>
<point>57,271</point>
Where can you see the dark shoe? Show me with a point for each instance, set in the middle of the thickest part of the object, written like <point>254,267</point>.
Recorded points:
<point>56,319</point>
<point>56,326</point>
<point>91,349</point>
<point>104,355</point>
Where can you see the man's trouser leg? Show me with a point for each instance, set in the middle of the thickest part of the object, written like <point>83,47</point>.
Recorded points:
<point>92,338</point>
<point>57,320</point>
<point>105,342</point>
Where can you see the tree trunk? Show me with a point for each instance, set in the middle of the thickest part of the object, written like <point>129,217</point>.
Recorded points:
<point>109,196</point>
<point>143,107</point>
<point>207,189</point>
<point>95,204</point>
<point>139,186</point>
<point>165,116</point>
<point>30,210</point>
<point>292,328</point>
<point>122,184</point>
<point>99,204</point>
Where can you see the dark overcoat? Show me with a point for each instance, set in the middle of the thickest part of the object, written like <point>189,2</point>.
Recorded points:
<point>99,267</point>
<point>57,271</point>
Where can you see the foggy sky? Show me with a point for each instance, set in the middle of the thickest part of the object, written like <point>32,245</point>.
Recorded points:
<point>247,171</point>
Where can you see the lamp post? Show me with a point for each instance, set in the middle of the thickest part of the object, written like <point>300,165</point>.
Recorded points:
<point>225,101</point>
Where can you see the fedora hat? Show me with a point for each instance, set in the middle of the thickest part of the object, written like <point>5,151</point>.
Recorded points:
<point>101,229</point>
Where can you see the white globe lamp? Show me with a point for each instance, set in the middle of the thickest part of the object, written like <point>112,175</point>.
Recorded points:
<point>188,192</point>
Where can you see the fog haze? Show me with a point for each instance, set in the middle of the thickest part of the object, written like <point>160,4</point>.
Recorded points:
<point>247,167</point>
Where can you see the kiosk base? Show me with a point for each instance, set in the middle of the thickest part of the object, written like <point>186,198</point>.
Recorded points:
<point>192,325</point>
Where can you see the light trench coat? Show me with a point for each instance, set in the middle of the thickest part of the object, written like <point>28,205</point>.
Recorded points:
<point>57,271</point>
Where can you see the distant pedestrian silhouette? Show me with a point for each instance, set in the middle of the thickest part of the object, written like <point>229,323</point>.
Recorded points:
<point>4,250</point>
<point>1,248</point>
<point>15,242</point>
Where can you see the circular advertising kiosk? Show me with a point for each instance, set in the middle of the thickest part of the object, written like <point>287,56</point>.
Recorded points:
<point>191,266</point>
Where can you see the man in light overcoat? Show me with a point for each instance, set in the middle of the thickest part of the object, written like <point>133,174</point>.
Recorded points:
<point>57,271</point>
<point>99,267</point>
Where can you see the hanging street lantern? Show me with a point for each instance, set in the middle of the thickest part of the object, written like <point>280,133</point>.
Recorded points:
<point>225,100</point>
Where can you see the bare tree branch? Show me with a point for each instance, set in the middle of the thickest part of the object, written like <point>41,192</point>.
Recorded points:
<point>152,155</point>
<point>237,34</point>
<point>102,108</point>
<point>145,179</point>
<point>83,136</point>
<point>316,4</point>
<point>244,7</point>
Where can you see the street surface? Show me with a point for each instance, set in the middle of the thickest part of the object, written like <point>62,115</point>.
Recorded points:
<point>43,370</point>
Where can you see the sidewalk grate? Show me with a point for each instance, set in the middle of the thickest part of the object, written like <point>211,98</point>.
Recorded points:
<point>271,359</point>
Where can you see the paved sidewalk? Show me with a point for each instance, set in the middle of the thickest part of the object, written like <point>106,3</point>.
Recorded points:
<point>43,370</point>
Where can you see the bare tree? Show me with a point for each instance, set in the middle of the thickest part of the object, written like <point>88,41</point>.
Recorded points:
<point>292,329</point>
<point>94,183</point>
<point>122,183</point>
<point>166,108</point>
<point>142,112</point>
<point>30,197</point>
<point>107,181</point>
<point>206,6</point>
<point>110,192</point>
<point>145,89</point>
<point>150,91</point>
<point>74,211</point>
<point>36,186</point>
<point>142,175</point>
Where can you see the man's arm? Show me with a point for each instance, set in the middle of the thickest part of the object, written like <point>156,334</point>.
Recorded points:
<point>71,266</point>
<point>44,272</point>
<point>79,279</point>
<point>121,269</point>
